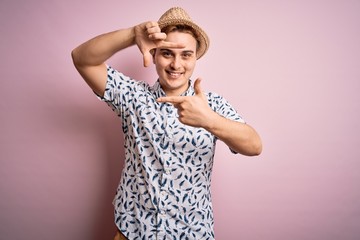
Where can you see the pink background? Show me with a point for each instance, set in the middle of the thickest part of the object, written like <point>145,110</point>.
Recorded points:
<point>291,68</point>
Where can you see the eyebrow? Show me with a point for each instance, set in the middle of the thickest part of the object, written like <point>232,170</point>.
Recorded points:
<point>167,49</point>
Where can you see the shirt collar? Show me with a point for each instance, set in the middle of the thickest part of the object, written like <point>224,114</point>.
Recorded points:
<point>159,92</point>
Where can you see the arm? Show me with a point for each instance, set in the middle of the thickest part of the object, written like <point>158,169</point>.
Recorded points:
<point>196,112</point>
<point>240,137</point>
<point>89,58</point>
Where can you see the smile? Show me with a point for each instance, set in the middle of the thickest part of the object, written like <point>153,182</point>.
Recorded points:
<point>174,74</point>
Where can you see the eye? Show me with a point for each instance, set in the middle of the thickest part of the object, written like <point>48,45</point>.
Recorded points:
<point>187,55</point>
<point>166,54</point>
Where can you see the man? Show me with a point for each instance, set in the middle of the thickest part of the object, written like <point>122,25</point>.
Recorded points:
<point>170,129</point>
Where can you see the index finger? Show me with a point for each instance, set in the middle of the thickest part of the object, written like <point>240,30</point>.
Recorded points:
<point>167,44</point>
<point>171,99</point>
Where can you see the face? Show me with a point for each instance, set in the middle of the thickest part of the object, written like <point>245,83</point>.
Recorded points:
<point>176,65</point>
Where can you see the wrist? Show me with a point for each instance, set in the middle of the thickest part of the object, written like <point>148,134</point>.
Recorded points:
<point>210,121</point>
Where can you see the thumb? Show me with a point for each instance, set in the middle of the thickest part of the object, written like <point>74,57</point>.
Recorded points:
<point>147,58</point>
<point>197,87</point>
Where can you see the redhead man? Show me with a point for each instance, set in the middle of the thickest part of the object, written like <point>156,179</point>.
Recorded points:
<point>170,128</point>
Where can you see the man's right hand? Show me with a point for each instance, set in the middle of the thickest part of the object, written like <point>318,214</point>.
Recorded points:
<point>89,58</point>
<point>148,36</point>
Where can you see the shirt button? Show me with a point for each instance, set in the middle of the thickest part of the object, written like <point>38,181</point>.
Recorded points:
<point>167,171</point>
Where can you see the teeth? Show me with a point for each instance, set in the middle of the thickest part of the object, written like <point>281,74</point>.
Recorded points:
<point>175,74</point>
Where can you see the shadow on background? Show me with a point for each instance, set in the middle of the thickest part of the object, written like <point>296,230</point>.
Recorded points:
<point>95,120</point>
<point>113,144</point>
<point>107,126</point>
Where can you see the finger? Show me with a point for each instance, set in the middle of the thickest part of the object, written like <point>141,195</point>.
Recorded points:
<point>173,99</point>
<point>197,87</point>
<point>157,36</point>
<point>154,29</point>
<point>166,44</point>
<point>151,24</point>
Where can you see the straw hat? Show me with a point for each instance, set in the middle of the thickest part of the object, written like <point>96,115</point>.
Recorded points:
<point>177,15</point>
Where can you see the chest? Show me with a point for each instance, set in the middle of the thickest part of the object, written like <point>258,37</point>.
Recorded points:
<point>157,124</point>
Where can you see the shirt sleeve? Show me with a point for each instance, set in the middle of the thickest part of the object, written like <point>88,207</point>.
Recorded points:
<point>117,90</point>
<point>221,106</point>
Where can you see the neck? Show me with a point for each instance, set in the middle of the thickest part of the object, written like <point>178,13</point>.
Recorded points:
<point>177,91</point>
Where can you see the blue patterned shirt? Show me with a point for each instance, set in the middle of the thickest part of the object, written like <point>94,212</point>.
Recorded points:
<point>164,190</point>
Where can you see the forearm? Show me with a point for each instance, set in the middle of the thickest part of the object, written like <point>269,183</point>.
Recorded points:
<point>97,50</point>
<point>240,137</point>
<point>195,111</point>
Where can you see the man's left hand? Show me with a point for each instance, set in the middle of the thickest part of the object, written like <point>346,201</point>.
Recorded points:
<point>192,110</point>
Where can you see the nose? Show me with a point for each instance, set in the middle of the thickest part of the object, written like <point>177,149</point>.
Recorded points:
<point>176,63</point>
